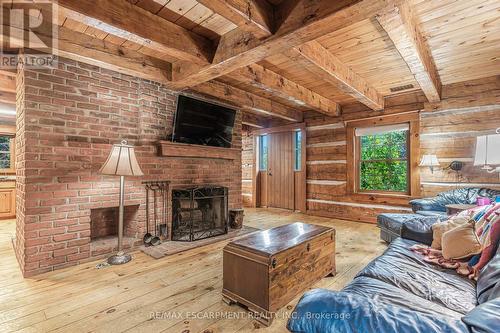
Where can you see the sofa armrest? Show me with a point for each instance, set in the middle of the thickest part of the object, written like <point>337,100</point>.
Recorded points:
<point>419,230</point>
<point>322,310</point>
<point>426,204</point>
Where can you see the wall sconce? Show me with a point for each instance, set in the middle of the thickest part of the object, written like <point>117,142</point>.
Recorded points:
<point>430,161</point>
<point>456,166</point>
<point>488,152</point>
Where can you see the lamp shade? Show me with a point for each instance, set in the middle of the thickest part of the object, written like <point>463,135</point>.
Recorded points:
<point>121,161</point>
<point>429,161</point>
<point>487,150</point>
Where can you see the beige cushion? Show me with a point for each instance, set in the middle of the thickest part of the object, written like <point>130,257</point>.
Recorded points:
<point>438,229</point>
<point>461,242</point>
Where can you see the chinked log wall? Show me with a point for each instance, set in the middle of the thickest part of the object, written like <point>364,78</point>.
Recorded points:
<point>449,133</point>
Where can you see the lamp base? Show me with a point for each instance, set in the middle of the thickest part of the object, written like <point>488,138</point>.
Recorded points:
<point>120,258</point>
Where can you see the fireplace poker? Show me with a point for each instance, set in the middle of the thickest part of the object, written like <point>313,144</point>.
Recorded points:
<point>155,240</point>
<point>148,236</point>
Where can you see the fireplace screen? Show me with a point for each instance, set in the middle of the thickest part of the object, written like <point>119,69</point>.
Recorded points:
<point>199,213</point>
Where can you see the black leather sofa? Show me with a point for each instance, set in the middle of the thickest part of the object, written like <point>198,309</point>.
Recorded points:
<point>428,211</point>
<point>399,292</point>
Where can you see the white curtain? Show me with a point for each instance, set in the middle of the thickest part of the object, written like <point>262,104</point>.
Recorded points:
<point>363,131</point>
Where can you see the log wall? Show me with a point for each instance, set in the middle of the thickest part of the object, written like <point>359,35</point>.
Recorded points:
<point>450,134</point>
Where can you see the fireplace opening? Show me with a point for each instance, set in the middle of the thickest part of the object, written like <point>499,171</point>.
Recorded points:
<point>199,212</point>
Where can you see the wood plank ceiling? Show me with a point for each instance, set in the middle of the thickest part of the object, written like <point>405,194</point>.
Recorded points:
<point>301,55</point>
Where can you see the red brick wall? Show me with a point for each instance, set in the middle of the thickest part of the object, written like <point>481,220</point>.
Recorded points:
<point>20,162</point>
<point>72,115</point>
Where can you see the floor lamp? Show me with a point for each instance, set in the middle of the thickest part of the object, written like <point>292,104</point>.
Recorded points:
<point>121,162</point>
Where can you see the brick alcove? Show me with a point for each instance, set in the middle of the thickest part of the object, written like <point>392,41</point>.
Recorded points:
<point>104,228</point>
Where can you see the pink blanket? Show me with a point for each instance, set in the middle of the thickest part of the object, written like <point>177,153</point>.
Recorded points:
<point>435,257</point>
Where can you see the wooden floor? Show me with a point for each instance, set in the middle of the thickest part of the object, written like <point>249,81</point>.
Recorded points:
<point>139,296</point>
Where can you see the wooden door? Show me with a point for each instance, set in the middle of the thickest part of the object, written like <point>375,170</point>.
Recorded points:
<point>280,180</point>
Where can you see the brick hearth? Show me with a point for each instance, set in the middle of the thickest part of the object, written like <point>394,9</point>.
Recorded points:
<point>68,118</point>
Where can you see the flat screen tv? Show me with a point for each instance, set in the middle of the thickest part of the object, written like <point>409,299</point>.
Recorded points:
<point>202,123</point>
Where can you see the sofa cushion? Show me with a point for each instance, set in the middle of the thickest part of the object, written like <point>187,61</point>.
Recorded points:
<point>401,267</point>
<point>391,222</point>
<point>418,232</point>
<point>388,293</point>
<point>485,318</point>
<point>321,311</point>
<point>432,213</point>
<point>394,221</point>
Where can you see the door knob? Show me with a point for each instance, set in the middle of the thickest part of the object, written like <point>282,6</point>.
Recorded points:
<point>270,174</point>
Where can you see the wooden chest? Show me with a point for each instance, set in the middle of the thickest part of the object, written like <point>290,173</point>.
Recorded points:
<point>267,269</point>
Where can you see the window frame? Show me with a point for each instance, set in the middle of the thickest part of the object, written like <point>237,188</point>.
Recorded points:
<point>358,168</point>
<point>9,131</point>
<point>353,150</point>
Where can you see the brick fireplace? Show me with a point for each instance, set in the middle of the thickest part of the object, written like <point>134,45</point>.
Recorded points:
<point>68,118</point>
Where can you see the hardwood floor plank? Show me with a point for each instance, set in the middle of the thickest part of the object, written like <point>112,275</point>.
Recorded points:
<point>188,284</point>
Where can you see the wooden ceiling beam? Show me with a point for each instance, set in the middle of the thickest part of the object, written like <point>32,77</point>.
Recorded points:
<point>253,121</point>
<point>261,78</point>
<point>306,21</point>
<point>85,48</point>
<point>122,19</point>
<point>254,16</point>
<point>402,28</point>
<point>82,47</point>
<point>468,94</point>
<point>247,101</point>
<point>328,67</point>
<point>7,83</point>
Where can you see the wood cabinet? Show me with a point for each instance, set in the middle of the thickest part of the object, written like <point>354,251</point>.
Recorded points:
<point>7,199</point>
<point>266,270</point>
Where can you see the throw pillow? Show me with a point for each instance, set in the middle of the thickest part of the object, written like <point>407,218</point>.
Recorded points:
<point>461,242</point>
<point>438,229</point>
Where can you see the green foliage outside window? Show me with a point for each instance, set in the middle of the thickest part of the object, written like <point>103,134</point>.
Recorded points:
<point>384,162</point>
<point>4,152</point>
<point>263,152</point>
<point>298,151</point>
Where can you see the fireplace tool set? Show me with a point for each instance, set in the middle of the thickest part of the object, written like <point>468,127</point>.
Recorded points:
<point>159,191</point>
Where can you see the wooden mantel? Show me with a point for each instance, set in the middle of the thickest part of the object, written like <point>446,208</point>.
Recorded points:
<point>174,149</point>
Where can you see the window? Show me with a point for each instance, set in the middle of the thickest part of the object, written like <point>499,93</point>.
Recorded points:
<point>263,152</point>
<point>298,151</point>
<point>383,158</point>
<point>6,153</point>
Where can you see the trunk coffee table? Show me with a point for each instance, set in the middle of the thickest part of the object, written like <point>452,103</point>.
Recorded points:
<point>267,269</point>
